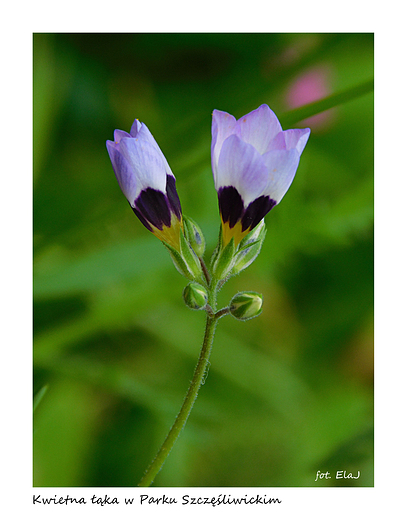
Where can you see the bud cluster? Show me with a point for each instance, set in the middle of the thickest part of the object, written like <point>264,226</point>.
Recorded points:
<point>227,260</point>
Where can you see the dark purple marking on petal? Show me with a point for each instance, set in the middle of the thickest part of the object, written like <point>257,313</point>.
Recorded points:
<point>230,205</point>
<point>256,210</point>
<point>173,198</point>
<point>141,218</point>
<point>153,206</point>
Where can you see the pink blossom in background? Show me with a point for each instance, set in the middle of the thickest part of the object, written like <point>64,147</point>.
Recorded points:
<point>311,86</point>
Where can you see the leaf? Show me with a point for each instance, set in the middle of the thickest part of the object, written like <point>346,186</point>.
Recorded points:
<point>38,397</point>
<point>294,116</point>
<point>96,270</point>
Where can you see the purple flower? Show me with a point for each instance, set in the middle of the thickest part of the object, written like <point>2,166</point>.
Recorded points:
<point>253,162</point>
<point>147,181</point>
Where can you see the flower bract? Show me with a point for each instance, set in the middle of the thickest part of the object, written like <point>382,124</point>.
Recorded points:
<point>147,181</point>
<point>254,163</point>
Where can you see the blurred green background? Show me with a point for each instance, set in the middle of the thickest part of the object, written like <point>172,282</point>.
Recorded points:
<point>288,393</point>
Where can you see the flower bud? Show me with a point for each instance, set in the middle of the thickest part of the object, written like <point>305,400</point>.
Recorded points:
<point>246,305</point>
<point>195,296</point>
<point>194,236</point>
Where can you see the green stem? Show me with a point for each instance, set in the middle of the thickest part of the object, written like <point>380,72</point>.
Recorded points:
<point>188,403</point>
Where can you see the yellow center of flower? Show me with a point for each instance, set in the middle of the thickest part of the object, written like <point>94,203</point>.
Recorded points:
<point>235,232</point>
<point>170,235</point>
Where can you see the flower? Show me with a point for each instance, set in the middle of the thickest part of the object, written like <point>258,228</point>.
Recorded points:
<point>147,182</point>
<point>254,163</point>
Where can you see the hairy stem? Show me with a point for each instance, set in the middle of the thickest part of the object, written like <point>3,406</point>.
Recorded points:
<point>182,417</point>
<point>205,271</point>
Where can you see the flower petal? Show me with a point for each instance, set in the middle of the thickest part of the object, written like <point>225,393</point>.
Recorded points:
<point>223,125</point>
<point>241,166</point>
<point>256,211</point>
<point>282,165</point>
<point>124,172</point>
<point>135,128</point>
<point>172,197</point>
<point>290,139</point>
<point>119,134</point>
<point>145,134</point>
<point>259,128</point>
<point>153,206</point>
<point>148,167</point>
<point>230,205</point>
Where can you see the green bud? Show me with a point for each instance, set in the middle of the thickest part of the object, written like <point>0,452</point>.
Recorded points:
<point>249,248</point>
<point>195,296</point>
<point>194,236</point>
<point>246,305</point>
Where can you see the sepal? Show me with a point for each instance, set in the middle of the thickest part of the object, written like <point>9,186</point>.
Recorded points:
<point>249,248</point>
<point>190,258</point>
<point>224,261</point>
<point>178,261</point>
<point>218,247</point>
<point>194,236</point>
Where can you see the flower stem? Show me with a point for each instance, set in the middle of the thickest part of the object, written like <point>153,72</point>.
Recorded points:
<point>187,405</point>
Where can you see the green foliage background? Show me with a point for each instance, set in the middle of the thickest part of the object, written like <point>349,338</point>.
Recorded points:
<point>288,393</point>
